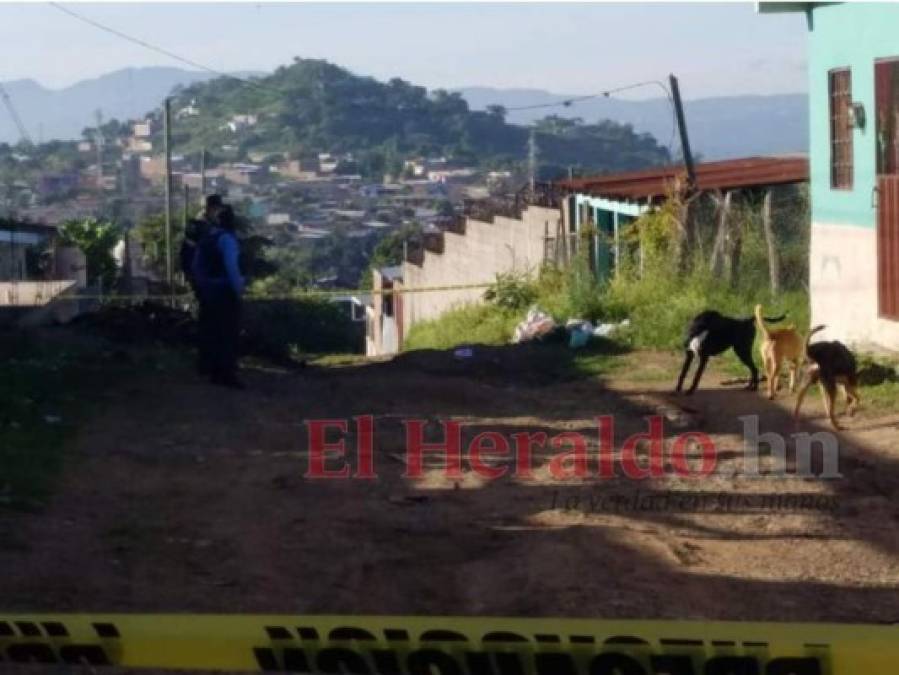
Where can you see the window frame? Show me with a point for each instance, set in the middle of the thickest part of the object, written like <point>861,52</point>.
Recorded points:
<point>845,182</point>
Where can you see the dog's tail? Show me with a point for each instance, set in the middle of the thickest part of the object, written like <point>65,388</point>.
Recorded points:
<point>808,338</point>
<point>760,322</point>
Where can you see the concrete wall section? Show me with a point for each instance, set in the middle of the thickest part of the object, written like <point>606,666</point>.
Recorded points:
<point>31,293</point>
<point>476,257</point>
<point>843,284</point>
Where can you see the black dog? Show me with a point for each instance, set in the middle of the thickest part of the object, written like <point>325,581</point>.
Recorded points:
<point>832,364</point>
<point>711,333</point>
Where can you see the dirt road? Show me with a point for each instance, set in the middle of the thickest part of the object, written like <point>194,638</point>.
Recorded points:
<point>185,498</point>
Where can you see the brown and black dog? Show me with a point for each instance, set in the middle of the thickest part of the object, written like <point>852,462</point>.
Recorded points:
<point>710,333</point>
<point>832,364</point>
<point>779,345</point>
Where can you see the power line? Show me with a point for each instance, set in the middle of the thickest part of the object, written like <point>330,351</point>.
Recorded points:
<point>196,64</point>
<point>568,102</point>
<point>606,93</point>
<point>154,48</point>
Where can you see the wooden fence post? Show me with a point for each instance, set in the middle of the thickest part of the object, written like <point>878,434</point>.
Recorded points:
<point>717,260</point>
<point>773,253</point>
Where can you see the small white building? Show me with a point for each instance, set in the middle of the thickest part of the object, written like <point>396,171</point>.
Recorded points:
<point>277,219</point>
<point>188,111</point>
<point>241,122</point>
<point>142,129</point>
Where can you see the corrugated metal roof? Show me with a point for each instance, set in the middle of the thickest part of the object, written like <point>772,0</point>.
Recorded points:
<point>724,175</point>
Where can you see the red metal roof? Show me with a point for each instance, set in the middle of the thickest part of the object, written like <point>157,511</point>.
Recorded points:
<point>724,175</point>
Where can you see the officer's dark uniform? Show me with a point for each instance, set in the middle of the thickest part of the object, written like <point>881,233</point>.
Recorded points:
<point>219,287</point>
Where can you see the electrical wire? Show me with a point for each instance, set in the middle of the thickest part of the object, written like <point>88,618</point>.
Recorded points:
<point>606,93</point>
<point>578,99</point>
<point>200,66</point>
<point>155,48</point>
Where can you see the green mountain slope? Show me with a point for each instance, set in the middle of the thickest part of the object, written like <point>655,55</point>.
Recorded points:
<point>315,106</point>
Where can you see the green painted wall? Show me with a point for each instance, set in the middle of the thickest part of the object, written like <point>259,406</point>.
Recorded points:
<point>854,35</point>
<point>604,213</point>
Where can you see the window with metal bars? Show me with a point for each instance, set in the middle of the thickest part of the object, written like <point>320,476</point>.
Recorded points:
<point>886,94</point>
<point>841,129</point>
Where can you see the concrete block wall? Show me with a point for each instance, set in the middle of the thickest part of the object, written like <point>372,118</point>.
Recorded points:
<point>476,257</point>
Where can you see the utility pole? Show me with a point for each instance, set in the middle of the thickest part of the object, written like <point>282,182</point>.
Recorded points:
<point>185,217</point>
<point>167,140</point>
<point>532,162</point>
<point>100,142</point>
<point>186,207</point>
<point>682,128</point>
<point>203,174</point>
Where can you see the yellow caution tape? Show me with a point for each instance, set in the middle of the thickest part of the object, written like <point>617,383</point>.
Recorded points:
<point>387,645</point>
<point>296,295</point>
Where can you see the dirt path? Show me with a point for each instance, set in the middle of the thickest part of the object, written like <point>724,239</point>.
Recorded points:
<point>189,499</point>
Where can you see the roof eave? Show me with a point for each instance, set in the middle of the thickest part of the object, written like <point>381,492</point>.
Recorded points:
<point>782,7</point>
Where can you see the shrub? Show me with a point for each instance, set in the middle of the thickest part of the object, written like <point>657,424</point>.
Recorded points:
<point>467,324</point>
<point>279,328</point>
<point>512,291</point>
<point>96,239</point>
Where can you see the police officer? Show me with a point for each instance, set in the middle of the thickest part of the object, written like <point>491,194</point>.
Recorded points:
<point>220,286</point>
<point>194,232</point>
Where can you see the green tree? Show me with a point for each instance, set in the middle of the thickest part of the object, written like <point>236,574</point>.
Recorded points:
<point>445,208</point>
<point>96,239</point>
<point>150,234</point>
<point>389,251</point>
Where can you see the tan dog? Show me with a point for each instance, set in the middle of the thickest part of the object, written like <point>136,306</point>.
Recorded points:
<point>779,345</point>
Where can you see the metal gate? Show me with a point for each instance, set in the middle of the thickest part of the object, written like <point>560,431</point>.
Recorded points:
<point>888,245</point>
<point>886,92</point>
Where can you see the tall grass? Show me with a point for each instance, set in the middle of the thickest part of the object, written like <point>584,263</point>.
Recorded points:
<point>655,287</point>
<point>659,308</point>
<point>663,292</point>
<point>468,324</point>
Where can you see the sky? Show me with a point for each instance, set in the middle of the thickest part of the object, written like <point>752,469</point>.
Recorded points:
<point>715,49</point>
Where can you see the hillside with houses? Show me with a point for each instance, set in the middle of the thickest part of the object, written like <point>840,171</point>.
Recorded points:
<point>323,163</point>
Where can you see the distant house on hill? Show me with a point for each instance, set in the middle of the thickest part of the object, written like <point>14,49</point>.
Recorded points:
<point>277,219</point>
<point>327,163</point>
<point>853,67</point>
<point>240,122</point>
<point>188,111</point>
<point>244,174</point>
<point>139,145</point>
<point>194,180</point>
<point>305,167</point>
<point>142,129</point>
<point>463,175</point>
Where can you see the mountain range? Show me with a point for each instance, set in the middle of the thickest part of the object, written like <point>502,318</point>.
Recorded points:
<point>719,127</point>
<point>128,93</point>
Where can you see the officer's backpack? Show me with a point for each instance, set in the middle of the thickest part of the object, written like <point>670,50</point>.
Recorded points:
<point>209,257</point>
